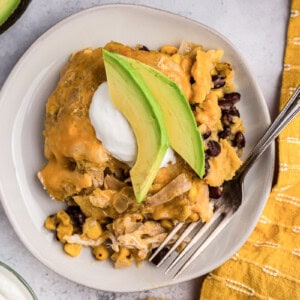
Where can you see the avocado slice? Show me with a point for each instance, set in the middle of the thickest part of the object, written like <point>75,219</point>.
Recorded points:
<point>11,11</point>
<point>131,96</point>
<point>7,7</point>
<point>183,133</point>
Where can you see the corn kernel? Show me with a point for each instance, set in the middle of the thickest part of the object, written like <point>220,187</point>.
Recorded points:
<point>229,88</point>
<point>72,249</point>
<point>63,230</point>
<point>168,49</point>
<point>193,192</point>
<point>176,58</point>
<point>167,224</point>
<point>123,258</point>
<point>63,217</point>
<point>51,223</point>
<point>219,93</point>
<point>91,228</point>
<point>194,217</point>
<point>101,253</point>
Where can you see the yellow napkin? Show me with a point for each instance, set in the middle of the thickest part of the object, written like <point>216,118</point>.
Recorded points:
<point>268,265</point>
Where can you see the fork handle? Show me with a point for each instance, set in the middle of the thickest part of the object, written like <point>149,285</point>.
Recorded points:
<point>289,111</point>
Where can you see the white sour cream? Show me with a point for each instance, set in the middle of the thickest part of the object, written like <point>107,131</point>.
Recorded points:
<point>11,288</point>
<point>114,131</point>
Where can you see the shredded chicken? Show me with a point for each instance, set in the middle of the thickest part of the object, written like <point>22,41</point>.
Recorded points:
<point>78,239</point>
<point>148,236</point>
<point>114,243</point>
<point>101,198</point>
<point>127,224</point>
<point>175,188</point>
<point>144,246</point>
<point>112,183</point>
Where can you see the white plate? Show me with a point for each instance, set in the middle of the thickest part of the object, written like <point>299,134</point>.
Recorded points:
<point>22,107</point>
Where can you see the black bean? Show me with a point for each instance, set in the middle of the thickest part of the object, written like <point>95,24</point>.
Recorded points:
<point>226,118</point>
<point>159,256</point>
<point>234,112</point>
<point>207,165</point>
<point>233,97</point>
<point>194,106</point>
<point>239,140</point>
<point>225,104</point>
<point>192,80</point>
<point>225,133</point>
<point>214,148</point>
<point>120,174</point>
<point>218,81</point>
<point>129,183</point>
<point>206,134</point>
<point>76,214</point>
<point>143,48</point>
<point>215,192</point>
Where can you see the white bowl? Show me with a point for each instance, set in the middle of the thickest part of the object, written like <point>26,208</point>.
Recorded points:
<point>13,285</point>
<point>22,109</point>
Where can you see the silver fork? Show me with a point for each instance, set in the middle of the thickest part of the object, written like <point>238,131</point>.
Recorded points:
<point>227,205</point>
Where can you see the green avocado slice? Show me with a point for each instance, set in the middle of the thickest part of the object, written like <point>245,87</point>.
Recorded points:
<point>7,7</point>
<point>132,97</point>
<point>183,133</point>
<point>11,11</point>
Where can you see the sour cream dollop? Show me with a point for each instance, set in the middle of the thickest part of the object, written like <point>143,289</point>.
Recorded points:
<point>114,131</point>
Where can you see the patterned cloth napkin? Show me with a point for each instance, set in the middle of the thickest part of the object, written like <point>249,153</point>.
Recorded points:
<point>268,265</point>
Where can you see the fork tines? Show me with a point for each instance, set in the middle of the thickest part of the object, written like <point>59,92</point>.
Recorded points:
<point>202,235</point>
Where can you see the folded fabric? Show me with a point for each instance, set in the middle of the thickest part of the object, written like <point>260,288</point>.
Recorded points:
<point>268,265</point>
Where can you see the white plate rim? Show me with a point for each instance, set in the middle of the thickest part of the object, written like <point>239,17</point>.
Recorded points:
<point>60,24</point>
